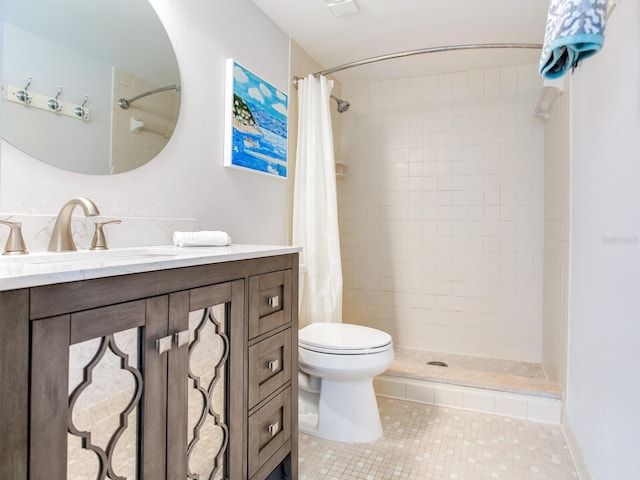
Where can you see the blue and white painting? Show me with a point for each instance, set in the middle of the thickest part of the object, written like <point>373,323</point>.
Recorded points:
<point>257,112</point>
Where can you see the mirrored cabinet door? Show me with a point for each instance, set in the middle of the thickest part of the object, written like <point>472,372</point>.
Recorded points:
<point>205,382</point>
<point>105,392</point>
<point>141,390</point>
<point>99,398</point>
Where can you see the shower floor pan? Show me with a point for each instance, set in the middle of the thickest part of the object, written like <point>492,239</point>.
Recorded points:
<point>503,387</point>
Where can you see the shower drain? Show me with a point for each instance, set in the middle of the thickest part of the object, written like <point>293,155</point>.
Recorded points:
<point>437,363</point>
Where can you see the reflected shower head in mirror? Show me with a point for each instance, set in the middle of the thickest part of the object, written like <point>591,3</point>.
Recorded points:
<point>343,105</point>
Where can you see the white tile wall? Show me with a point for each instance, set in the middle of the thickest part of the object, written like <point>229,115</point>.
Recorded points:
<point>158,112</point>
<point>441,212</point>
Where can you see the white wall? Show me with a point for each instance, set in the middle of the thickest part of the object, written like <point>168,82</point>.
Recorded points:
<point>187,179</point>
<point>603,395</point>
<point>441,211</point>
<point>1,62</point>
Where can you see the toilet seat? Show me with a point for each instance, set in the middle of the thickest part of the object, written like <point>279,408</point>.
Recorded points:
<point>343,339</point>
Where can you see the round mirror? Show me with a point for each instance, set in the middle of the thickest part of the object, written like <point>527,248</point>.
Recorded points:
<point>92,86</point>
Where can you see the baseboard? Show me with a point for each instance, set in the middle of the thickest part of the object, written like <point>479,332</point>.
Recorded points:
<point>515,405</point>
<point>574,449</point>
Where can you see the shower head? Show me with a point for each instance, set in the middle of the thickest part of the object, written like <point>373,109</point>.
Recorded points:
<point>343,105</point>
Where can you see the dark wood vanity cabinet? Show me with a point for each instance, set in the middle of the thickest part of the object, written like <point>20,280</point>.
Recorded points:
<point>271,382</point>
<point>173,374</point>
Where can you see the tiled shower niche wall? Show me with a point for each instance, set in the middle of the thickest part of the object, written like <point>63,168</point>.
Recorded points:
<point>441,211</point>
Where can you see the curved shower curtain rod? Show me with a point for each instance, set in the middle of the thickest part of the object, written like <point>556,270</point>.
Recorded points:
<point>125,103</point>
<point>390,56</point>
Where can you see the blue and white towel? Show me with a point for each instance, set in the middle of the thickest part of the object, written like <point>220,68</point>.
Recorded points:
<point>575,31</point>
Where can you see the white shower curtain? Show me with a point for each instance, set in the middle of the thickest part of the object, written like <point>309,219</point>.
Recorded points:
<point>315,205</point>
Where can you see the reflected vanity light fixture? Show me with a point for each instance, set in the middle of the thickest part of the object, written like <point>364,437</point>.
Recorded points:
<point>550,91</point>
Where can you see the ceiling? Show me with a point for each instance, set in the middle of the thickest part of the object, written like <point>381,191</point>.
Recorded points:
<point>389,26</point>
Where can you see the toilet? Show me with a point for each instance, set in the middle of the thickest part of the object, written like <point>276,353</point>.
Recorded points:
<point>337,364</point>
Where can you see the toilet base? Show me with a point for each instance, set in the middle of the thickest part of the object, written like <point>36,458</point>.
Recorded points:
<point>346,412</point>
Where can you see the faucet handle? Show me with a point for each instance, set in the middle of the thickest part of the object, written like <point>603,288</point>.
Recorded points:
<point>99,241</point>
<point>15,243</point>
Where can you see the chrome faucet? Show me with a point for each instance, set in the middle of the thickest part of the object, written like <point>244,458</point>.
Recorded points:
<point>62,238</point>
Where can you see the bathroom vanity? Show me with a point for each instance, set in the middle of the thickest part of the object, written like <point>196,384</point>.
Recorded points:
<point>164,363</point>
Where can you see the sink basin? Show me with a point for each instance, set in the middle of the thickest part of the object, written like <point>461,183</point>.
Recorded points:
<point>42,268</point>
<point>96,257</point>
<point>127,259</point>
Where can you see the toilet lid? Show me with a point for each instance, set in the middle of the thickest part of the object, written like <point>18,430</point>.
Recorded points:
<point>343,338</point>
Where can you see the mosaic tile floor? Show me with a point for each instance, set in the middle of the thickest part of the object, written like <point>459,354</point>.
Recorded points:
<point>496,374</point>
<point>424,442</point>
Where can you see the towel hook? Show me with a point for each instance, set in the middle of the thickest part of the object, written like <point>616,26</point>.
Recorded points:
<point>23,95</point>
<point>53,104</point>
<point>79,111</point>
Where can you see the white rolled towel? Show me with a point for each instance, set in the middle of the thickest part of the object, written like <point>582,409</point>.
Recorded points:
<point>201,239</point>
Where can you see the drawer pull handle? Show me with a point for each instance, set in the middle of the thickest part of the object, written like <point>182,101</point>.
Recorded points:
<point>274,428</point>
<point>274,365</point>
<point>163,345</point>
<point>182,338</point>
<point>274,301</point>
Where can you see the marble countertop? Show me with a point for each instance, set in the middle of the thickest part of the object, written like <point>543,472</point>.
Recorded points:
<point>44,268</point>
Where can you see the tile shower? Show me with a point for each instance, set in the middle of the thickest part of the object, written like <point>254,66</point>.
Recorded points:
<point>442,231</point>
<point>442,211</point>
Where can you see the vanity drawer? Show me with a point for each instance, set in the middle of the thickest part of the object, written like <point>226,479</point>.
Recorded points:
<point>269,366</point>
<point>269,429</point>
<point>269,302</point>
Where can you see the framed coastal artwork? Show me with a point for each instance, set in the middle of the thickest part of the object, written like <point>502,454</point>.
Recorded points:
<point>255,123</point>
